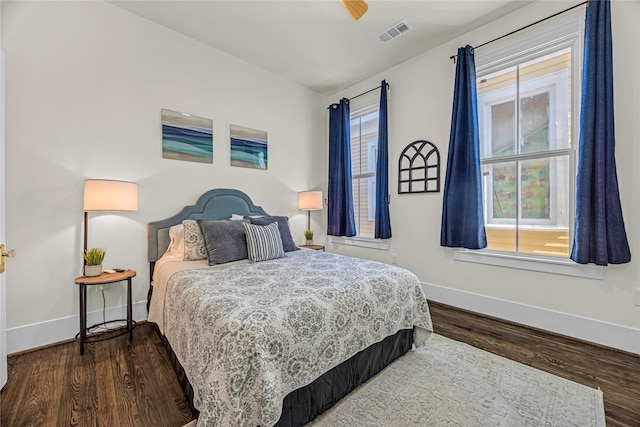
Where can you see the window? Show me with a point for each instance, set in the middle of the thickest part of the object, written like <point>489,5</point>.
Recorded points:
<point>527,153</point>
<point>364,157</point>
<point>364,122</point>
<point>528,118</point>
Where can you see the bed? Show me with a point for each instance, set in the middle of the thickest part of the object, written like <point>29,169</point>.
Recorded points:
<point>279,341</point>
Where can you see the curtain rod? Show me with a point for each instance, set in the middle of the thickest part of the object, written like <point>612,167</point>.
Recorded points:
<point>525,27</point>
<point>363,93</point>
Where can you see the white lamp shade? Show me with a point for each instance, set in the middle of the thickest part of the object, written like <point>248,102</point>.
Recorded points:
<point>310,200</point>
<point>108,195</point>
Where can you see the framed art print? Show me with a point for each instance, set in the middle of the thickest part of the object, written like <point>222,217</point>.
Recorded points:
<point>186,137</point>
<point>248,147</point>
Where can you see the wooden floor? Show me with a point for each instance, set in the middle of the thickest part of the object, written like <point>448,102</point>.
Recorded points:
<point>117,383</point>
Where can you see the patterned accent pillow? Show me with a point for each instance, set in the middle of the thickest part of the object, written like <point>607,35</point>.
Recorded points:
<point>263,242</point>
<point>194,245</point>
<point>283,225</point>
<point>224,239</point>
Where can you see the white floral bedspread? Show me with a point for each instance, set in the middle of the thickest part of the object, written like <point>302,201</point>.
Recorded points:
<point>249,334</point>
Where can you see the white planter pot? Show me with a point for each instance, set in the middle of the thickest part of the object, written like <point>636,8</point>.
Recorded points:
<point>92,270</point>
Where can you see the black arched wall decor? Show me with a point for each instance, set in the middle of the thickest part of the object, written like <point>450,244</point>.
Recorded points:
<point>419,168</point>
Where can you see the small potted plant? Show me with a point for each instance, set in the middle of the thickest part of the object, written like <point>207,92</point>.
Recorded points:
<point>309,236</point>
<point>93,261</point>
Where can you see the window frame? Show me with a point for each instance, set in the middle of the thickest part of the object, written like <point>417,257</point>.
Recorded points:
<point>553,84</point>
<point>364,175</point>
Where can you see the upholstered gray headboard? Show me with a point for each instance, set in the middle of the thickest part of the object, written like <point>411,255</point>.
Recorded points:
<point>219,203</point>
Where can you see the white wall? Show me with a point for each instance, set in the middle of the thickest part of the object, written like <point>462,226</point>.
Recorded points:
<point>85,85</point>
<point>420,108</point>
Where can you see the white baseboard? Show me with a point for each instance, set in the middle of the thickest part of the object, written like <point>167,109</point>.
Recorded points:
<point>53,331</point>
<point>596,331</point>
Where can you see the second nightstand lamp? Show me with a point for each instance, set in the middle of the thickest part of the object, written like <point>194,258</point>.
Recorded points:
<point>103,195</point>
<point>309,201</point>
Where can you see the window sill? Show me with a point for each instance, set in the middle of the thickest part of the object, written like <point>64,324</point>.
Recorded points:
<point>530,262</point>
<point>382,244</point>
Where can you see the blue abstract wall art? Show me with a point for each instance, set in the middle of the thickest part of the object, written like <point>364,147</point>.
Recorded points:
<point>186,137</point>
<point>248,147</point>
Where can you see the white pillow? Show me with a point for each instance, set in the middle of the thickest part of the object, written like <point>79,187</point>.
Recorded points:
<point>176,245</point>
<point>236,217</point>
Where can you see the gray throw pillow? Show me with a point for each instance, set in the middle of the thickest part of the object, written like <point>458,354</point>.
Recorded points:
<point>225,240</point>
<point>283,225</point>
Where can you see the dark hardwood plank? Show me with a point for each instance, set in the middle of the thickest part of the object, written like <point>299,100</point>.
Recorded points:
<point>57,376</point>
<point>615,372</point>
<point>84,388</point>
<point>106,391</point>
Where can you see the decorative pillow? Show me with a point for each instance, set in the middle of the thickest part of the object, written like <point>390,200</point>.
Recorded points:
<point>176,243</point>
<point>237,217</point>
<point>283,225</point>
<point>194,244</point>
<point>224,240</point>
<point>263,242</point>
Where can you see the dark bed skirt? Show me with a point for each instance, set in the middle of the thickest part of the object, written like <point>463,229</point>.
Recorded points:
<point>306,403</point>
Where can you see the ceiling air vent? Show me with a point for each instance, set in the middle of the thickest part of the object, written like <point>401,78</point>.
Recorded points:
<point>396,31</point>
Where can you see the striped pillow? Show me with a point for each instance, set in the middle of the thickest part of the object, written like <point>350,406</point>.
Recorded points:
<point>263,241</point>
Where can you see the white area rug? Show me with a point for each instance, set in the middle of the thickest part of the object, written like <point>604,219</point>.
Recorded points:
<point>448,383</point>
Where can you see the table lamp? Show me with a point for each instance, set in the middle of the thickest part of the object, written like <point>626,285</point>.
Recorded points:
<point>309,201</point>
<point>103,195</point>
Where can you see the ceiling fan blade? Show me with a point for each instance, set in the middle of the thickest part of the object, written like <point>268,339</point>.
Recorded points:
<point>356,8</point>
